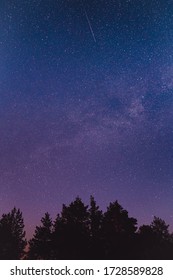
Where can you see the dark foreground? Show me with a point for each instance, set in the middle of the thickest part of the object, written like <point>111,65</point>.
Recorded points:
<point>85,233</point>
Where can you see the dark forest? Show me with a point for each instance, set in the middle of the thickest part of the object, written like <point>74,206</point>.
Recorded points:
<point>85,232</point>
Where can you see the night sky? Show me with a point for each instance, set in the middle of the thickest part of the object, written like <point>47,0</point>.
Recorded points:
<point>86,106</point>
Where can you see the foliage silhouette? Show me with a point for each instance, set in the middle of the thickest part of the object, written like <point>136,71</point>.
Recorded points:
<point>85,232</point>
<point>12,235</point>
<point>71,231</point>
<point>95,228</point>
<point>155,240</point>
<point>41,243</point>
<point>118,232</point>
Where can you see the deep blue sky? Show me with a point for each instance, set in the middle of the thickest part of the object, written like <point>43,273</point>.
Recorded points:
<point>82,117</point>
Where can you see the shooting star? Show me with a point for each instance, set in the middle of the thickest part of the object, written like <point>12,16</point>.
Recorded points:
<point>90,26</point>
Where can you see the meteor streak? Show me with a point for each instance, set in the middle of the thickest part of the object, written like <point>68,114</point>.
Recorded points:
<point>90,26</point>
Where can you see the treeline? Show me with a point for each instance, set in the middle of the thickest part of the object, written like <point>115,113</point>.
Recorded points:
<point>85,232</point>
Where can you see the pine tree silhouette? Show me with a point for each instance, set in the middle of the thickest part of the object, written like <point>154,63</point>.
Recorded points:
<point>95,228</point>
<point>40,246</point>
<point>118,232</point>
<point>71,231</point>
<point>12,235</point>
<point>155,240</point>
<point>82,232</point>
<point>59,239</point>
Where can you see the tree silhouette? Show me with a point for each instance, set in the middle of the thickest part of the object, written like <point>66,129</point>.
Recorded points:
<point>40,246</point>
<point>59,237</point>
<point>95,227</point>
<point>118,232</point>
<point>84,232</point>
<point>160,228</point>
<point>95,218</point>
<point>156,241</point>
<point>163,239</point>
<point>71,231</point>
<point>12,235</point>
<point>147,242</point>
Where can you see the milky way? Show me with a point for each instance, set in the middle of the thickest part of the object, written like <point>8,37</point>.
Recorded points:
<point>80,116</point>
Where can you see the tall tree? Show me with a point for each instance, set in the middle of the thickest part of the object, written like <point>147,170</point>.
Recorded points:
<point>75,213</point>
<point>40,246</point>
<point>160,228</point>
<point>95,227</point>
<point>95,218</point>
<point>71,231</point>
<point>12,235</point>
<point>155,240</point>
<point>118,232</point>
<point>118,219</point>
<point>59,239</point>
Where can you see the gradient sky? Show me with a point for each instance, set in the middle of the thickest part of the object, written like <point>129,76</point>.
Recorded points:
<point>82,115</point>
